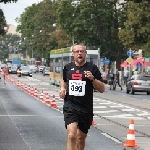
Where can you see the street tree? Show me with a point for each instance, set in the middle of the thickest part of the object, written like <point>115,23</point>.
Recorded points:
<point>96,23</point>
<point>36,26</point>
<point>9,43</point>
<point>139,1</point>
<point>136,33</point>
<point>2,23</point>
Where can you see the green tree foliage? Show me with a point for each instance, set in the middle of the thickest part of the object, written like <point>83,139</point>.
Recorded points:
<point>96,23</point>
<point>2,22</point>
<point>8,1</point>
<point>8,43</point>
<point>36,26</point>
<point>136,33</point>
<point>26,27</point>
<point>138,1</point>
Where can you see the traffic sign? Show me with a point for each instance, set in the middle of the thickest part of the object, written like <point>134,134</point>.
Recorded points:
<point>139,65</point>
<point>129,60</point>
<point>106,61</point>
<point>130,53</point>
<point>101,59</point>
<point>146,53</point>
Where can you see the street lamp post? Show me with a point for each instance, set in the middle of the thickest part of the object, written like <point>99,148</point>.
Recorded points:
<point>42,51</point>
<point>32,48</point>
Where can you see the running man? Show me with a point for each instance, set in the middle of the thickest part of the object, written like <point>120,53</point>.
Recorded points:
<point>5,73</point>
<point>79,79</point>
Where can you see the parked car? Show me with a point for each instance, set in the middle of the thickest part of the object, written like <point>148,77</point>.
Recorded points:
<point>104,76</point>
<point>9,69</point>
<point>33,68</point>
<point>25,71</point>
<point>138,83</point>
<point>46,71</point>
<point>13,69</point>
<point>2,65</point>
<point>41,68</point>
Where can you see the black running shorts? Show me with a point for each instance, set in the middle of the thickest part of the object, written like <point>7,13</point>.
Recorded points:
<point>84,119</point>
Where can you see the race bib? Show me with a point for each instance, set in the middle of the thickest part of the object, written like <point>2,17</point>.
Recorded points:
<point>77,87</point>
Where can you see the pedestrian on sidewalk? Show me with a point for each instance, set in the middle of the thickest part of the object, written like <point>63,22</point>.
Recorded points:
<point>126,76</point>
<point>76,88</point>
<point>117,80</point>
<point>112,77</point>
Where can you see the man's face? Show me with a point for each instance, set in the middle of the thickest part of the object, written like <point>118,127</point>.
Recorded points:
<point>79,53</point>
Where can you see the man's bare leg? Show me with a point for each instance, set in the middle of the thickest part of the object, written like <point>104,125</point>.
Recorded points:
<point>72,136</point>
<point>81,140</point>
<point>4,79</point>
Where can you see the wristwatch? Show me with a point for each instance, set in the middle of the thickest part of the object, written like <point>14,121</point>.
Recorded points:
<point>93,79</point>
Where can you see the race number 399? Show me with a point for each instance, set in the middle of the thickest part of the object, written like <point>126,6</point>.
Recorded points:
<point>77,87</point>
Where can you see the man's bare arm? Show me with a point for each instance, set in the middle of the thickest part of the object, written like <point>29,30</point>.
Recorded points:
<point>62,84</point>
<point>99,85</point>
<point>96,83</point>
<point>62,92</point>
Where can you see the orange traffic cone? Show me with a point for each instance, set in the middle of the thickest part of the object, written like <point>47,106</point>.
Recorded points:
<point>29,89</point>
<point>47,99</point>
<point>25,88</point>
<point>35,93</point>
<point>42,96</point>
<point>21,86</point>
<point>93,123</point>
<point>18,83</point>
<point>130,142</point>
<point>32,91</point>
<point>53,103</point>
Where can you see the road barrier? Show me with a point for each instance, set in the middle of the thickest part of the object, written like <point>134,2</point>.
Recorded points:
<point>34,92</point>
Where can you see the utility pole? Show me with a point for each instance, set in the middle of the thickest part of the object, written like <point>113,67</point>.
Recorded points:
<point>99,55</point>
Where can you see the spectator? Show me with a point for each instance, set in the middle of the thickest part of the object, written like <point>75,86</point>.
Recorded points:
<point>112,77</point>
<point>125,76</point>
<point>117,80</point>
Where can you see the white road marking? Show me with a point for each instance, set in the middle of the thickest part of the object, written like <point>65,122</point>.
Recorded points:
<point>109,111</point>
<point>131,109</point>
<point>112,138</point>
<point>144,114</point>
<point>99,107</point>
<point>125,116</point>
<point>106,103</point>
<point>116,106</point>
<point>105,124</point>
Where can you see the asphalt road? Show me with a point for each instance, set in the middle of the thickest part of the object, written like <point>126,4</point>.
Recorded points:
<point>113,111</point>
<point>26,123</point>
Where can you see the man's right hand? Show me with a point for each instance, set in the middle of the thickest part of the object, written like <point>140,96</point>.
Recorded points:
<point>62,93</point>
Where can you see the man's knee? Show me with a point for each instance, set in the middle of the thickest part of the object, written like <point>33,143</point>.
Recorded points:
<point>81,139</point>
<point>71,137</point>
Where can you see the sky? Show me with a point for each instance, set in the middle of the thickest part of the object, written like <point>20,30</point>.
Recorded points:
<point>14,10</point>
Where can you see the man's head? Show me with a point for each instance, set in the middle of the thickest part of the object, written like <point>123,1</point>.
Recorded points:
<point>79,53</point>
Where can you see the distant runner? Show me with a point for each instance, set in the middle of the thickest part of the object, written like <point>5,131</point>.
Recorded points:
<point>5,73</point>
<point>0,72</point>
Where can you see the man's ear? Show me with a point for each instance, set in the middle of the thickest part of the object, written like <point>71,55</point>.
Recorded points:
<point>72,54</point>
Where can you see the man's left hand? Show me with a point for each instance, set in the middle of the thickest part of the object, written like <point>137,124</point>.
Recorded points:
<point>89,75</point>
